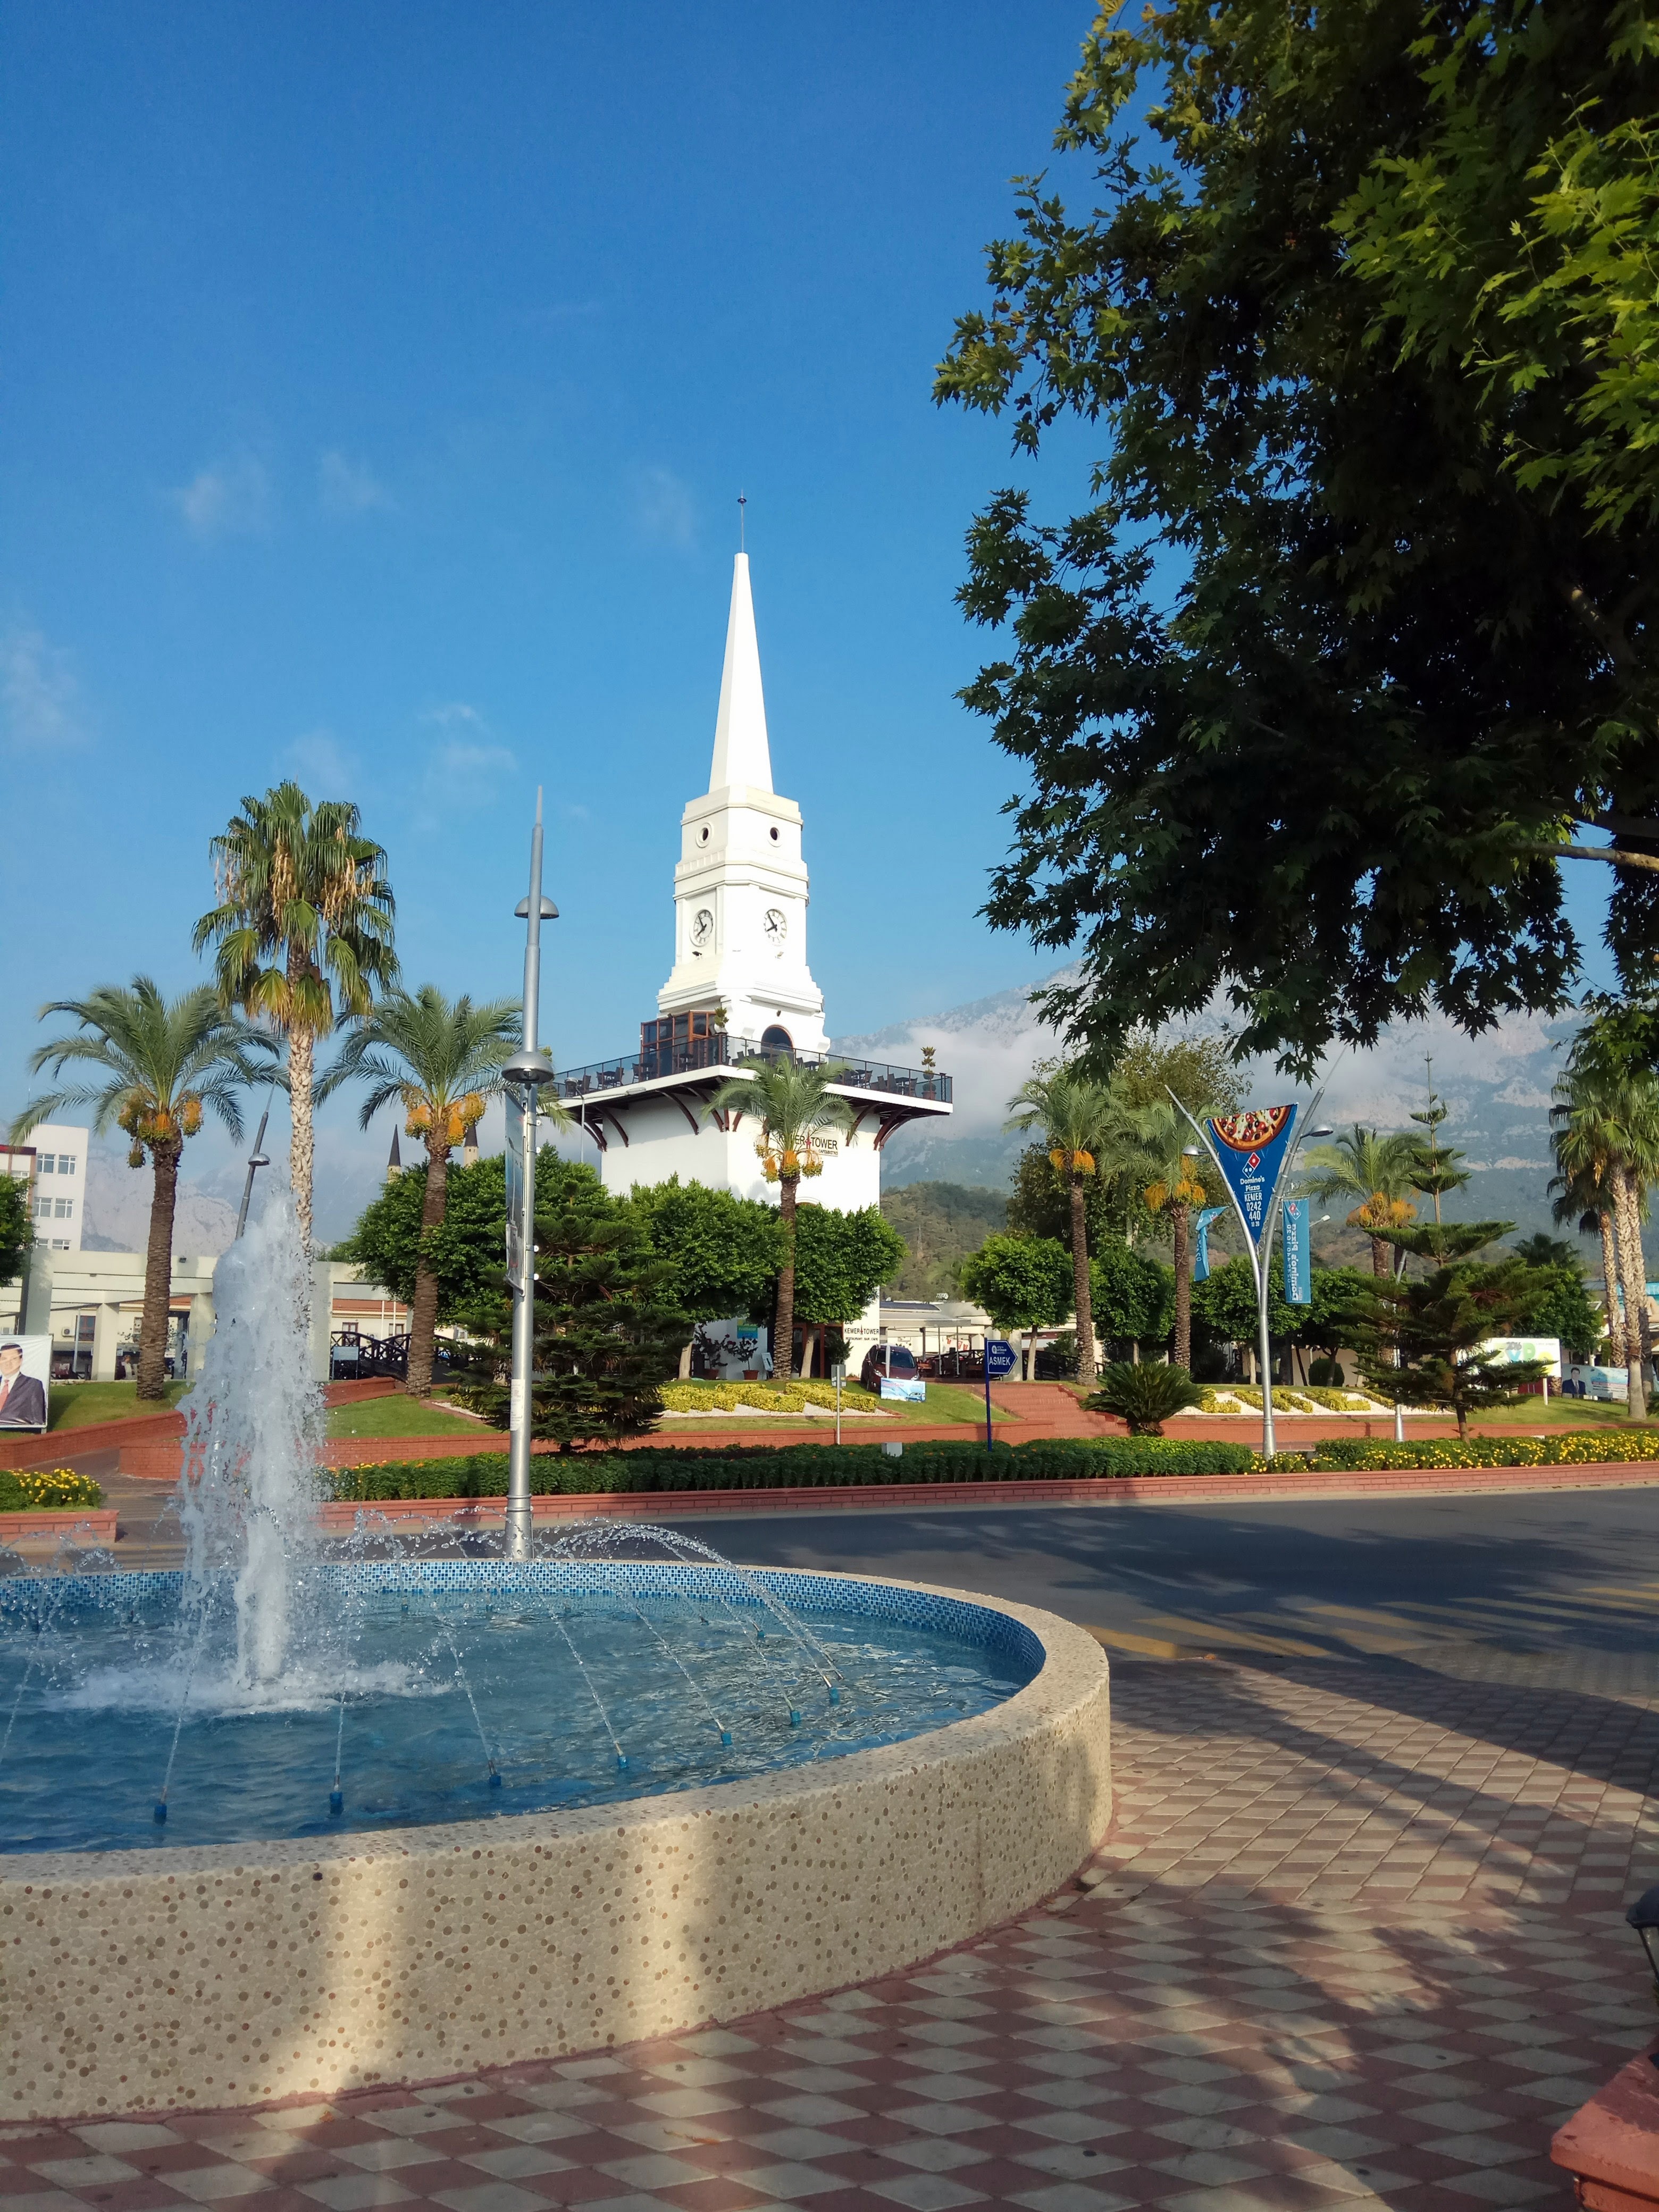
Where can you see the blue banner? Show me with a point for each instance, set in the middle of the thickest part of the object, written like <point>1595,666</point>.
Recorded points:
<point>1298,1267</point>
<point>1250,1148</point>
<point>1201,1222</point>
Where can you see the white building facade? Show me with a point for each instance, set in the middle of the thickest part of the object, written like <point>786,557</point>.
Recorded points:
<point>54,1163</point>
<point>740,986</point>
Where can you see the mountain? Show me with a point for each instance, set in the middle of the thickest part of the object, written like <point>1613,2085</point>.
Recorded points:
<point>117,1209</point>
<point>1496,1087</point>
<point>941,1222</point>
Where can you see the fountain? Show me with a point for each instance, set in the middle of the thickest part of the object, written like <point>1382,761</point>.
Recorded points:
<point>653,1787</point>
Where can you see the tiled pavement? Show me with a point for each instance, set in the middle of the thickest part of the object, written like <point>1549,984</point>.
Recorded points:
<point>1357,1938</point>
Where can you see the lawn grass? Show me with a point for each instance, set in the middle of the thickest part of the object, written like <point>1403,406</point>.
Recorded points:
<point>77,1404</point>
<point>398,1416</point>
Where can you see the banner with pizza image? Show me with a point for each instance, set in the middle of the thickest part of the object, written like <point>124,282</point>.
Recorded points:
<point>1250,1148</point>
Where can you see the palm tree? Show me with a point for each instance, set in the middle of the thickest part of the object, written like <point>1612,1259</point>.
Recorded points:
<point>1080,1120</point>
<point>1586,1197</point>
<point>794,1107</point>
<point>160,1065</point>
<point>1379,1171</point>
<point>1175,1167</point>
<point>1606,1135</point>
<point>442,1064</point>
<point>305,913</point>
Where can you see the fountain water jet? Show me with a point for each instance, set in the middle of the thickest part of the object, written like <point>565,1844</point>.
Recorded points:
<point>254,1428</point>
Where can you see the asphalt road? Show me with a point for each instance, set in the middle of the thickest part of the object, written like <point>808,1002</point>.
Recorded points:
<point>1573,1570</point>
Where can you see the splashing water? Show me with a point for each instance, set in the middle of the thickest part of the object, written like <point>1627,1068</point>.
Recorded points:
<point>247,1488</point>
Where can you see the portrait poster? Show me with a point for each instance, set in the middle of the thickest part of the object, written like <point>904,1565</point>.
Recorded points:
<point>25,1375</point>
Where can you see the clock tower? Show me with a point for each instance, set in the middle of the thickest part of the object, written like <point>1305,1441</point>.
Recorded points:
<point>740,891</point>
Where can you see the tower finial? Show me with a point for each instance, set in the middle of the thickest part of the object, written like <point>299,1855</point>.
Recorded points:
<point>743,502</point>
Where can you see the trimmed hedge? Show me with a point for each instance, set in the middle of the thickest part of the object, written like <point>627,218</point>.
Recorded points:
<point>790,1466</point>
<point>57,1489</point>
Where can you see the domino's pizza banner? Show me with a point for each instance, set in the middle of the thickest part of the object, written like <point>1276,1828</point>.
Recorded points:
<point>1251,1148</point>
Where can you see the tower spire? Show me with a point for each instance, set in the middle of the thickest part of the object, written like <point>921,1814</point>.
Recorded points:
<point>742,754</point>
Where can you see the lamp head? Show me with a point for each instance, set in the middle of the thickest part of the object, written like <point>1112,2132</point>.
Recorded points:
<point>528,1071</point>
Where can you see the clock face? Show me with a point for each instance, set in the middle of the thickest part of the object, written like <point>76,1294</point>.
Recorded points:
<point>703,927</point>
<point>777,927</point>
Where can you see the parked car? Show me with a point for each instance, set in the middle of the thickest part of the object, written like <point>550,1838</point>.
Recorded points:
<point>894,1360</point>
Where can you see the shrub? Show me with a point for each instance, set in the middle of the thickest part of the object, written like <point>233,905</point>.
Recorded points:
<point>35,1490</point>
<point>1328,1373</point>
<point>789,1466</point>
<point>1143,1396</point>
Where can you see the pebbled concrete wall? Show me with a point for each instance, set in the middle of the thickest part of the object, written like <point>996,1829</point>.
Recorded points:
<point>132,1981</point>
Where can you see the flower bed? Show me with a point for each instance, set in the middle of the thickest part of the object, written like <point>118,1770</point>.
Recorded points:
<point>43,1490</point>
<point>1571,1447</point>
<point>791,1467</point>
<point>1288,1398</point>
<point>792,1397</point>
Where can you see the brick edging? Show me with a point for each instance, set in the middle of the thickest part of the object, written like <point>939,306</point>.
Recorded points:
<point>1123,1489</point>
<point>96,1525</point>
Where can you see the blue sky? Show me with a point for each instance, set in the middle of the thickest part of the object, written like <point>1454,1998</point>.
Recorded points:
<point>376,387</point>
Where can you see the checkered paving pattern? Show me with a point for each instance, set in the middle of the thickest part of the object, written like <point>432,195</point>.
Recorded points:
<point>1356,1940</point>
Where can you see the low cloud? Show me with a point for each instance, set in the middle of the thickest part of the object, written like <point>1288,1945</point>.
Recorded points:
<point>228,499</point>
<point>467,767</point>
<point>348,487</point>
<point>663,508</point>
<point>41,700</point>
<point>323,765</point>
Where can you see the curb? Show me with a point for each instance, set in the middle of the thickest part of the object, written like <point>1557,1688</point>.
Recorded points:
<point>1121,1490</point>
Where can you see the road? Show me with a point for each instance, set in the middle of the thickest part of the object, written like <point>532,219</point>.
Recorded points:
<point>1373,1577</point>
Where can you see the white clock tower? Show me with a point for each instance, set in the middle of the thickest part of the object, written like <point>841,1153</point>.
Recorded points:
<point>740,888</point>
<point>740,988</point>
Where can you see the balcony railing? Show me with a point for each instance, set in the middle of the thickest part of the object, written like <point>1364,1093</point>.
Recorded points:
<point>696,1053</point>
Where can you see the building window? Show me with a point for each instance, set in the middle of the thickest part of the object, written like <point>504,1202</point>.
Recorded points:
<point>43,1209</point>
<point>63,1209</point>
<point>60,1243</point>
<point>66,1163</point>
<point>47,1163</point>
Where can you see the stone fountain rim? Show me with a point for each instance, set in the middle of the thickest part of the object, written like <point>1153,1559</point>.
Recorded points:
<point>1073,1669</point>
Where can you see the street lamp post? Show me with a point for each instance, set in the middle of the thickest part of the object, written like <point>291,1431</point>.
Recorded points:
<point>523,1075</point>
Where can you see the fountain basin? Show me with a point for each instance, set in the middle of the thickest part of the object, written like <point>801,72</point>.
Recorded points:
<point>243,1973</point>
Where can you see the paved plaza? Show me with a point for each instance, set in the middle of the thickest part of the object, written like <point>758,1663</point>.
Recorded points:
<point>1357,1938</point>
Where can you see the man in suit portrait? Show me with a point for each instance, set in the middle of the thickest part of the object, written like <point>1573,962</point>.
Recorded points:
<point>22,1398</point>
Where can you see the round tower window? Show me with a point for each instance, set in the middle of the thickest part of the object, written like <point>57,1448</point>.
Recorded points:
<point>773,835</point>
<point>702,835</point>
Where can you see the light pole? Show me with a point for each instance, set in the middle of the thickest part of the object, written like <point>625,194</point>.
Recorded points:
<point>1261,1255</point>
<point>523,1075</point>
<point>256,1159</point>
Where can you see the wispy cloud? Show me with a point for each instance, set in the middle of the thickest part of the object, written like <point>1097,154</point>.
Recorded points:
<point>323,765</point>
<point>40,699</point>
<point>349,487</point>
<point>467,767</point>
<point>663,507</point>
<point>230,498</point>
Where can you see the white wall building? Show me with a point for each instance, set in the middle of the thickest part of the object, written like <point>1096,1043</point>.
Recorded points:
<point>54,1164</point>
<point>739,984</point>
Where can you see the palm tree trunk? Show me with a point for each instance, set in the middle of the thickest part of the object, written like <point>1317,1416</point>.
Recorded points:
<point>784,1351</point>
<point>1644,1322</point>
<point>1633,1275</point>
<point>301,1048</point>
<point>1381,1258</point>
<point>1610,1277</point>
<point>423,1317</point>
<point>1183,1312</point>
<point>1081,1299</point>
<point>158,1273</point>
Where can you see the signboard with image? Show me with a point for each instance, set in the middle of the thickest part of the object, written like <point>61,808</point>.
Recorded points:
<point>1249,1149</point>
<point>25,1373</point>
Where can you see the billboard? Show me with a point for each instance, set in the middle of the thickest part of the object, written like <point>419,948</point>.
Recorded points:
<point>24,1372</point>
<point>1249,1149</point>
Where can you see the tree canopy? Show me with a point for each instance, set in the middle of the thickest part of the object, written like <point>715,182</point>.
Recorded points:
<point>1133,1294</point>
<point>1022,1282</point>
<point>1357,620</point>
<point>842,1259</point>
<point>724,1251</point>
<point>16,1230</point>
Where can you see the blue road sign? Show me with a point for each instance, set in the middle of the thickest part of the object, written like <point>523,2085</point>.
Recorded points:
<point>1001,1358</point>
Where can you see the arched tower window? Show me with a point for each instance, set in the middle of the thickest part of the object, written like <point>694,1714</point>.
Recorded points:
<point>777,1040</point>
